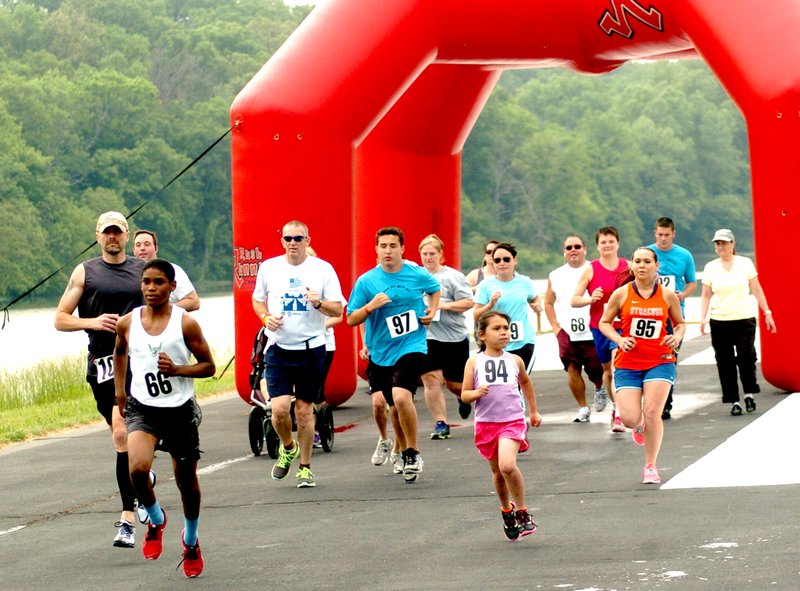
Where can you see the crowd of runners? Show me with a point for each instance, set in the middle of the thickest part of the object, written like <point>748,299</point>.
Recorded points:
<point>423,325</point>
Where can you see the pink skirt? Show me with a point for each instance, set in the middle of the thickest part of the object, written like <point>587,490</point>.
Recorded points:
<point>487,436</point>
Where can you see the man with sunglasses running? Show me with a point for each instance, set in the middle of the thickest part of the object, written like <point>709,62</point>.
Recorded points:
<point>571,326</point>
<point>294,294</point>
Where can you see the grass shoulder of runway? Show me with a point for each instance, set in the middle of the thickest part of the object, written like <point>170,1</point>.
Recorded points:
<point>53,396</point>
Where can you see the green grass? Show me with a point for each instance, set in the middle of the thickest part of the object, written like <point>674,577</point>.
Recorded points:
<point>54,395</point>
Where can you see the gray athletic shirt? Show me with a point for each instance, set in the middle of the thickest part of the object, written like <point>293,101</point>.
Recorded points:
<point>450,327</point>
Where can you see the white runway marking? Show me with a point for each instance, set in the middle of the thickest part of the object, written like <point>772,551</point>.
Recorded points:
<point>764,453</point>
<point>706,356</point>
<point>12,530</point>
<point>221,465</point>
<point>689,403</point>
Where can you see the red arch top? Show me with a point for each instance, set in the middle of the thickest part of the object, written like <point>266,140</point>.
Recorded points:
<point>360,118</point>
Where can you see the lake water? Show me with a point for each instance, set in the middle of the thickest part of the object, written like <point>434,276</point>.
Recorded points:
<point>30,337</point>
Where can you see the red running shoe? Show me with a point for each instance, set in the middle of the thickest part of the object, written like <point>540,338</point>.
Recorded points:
<point>152,546</point>
<point>192,559</point>
<point>616,423</point>
<point>638,434</point>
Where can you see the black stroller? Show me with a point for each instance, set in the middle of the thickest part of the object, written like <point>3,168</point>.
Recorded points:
<point>259,423</point>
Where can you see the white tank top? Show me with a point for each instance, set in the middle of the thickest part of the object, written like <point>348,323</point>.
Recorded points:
<point>575,321</point>
<point>148,385</point>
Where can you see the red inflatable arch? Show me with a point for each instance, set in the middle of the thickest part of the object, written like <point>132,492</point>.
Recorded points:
<point>360,118</point>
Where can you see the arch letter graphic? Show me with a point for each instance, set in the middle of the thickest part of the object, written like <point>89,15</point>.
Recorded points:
<point>618,22</point>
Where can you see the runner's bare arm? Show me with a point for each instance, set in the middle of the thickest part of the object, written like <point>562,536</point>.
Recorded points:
<point>65,321</point>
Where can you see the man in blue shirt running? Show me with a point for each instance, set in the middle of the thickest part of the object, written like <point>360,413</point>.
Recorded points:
<point>676,271</point>
<point>389,298</point>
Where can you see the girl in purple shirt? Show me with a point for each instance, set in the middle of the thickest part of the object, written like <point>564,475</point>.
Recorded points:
<point>493,379</point>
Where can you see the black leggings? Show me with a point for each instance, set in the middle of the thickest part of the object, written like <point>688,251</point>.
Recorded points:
<point>734,348</point>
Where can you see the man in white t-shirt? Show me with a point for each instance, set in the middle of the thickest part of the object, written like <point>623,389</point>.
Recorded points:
<point>295,293</point>
<point>145,247</point>
<point>571,325</point>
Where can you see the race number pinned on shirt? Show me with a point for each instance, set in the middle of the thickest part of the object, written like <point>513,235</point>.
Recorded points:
<point>645,328</point>
<point>517,330</point>
<point>437,316</point>
<point>667,281</point>
<point>494,371</point>
<point>105,368</point>
<point>402,324</point>
<point>578,329</point>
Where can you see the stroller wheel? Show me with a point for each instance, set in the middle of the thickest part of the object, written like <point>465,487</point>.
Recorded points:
<point>255,430</point>
<point>325,427</point>
<point>273,441</point>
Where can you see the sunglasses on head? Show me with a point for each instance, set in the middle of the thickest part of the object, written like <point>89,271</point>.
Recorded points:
<point>502,259</point>
<point>295,238</point>
<point>573,247</point>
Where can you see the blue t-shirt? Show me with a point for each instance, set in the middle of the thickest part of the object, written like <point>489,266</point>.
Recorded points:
<point>514,302</point>
<point>675,268</point>
<point>394,330</point>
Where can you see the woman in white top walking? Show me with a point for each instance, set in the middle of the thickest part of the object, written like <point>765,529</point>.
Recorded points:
<point>728,282</point>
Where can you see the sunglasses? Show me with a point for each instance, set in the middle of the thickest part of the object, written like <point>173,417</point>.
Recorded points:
<point>295,238</point>
<point>502,259</point>
<point>489,251</point>
<point>573,247</point>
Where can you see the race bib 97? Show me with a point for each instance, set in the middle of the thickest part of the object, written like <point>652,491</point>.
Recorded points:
<point>402,324</point>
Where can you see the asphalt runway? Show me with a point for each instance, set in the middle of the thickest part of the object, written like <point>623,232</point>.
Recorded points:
<point>362,527</point>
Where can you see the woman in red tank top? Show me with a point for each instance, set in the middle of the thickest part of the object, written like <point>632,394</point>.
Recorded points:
<point>594,288</point>
<point>645,362</point>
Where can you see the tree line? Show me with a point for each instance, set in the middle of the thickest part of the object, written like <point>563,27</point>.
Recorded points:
<point>102,102</point>
<point>556,152</point>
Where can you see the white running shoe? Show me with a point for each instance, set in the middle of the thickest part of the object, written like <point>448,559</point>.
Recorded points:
<point>397,463</point>
<point>126,534</point>
<point>412,467</point>
<point>382,452</point>
<point>600,399</point>
<point>583,415</point>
